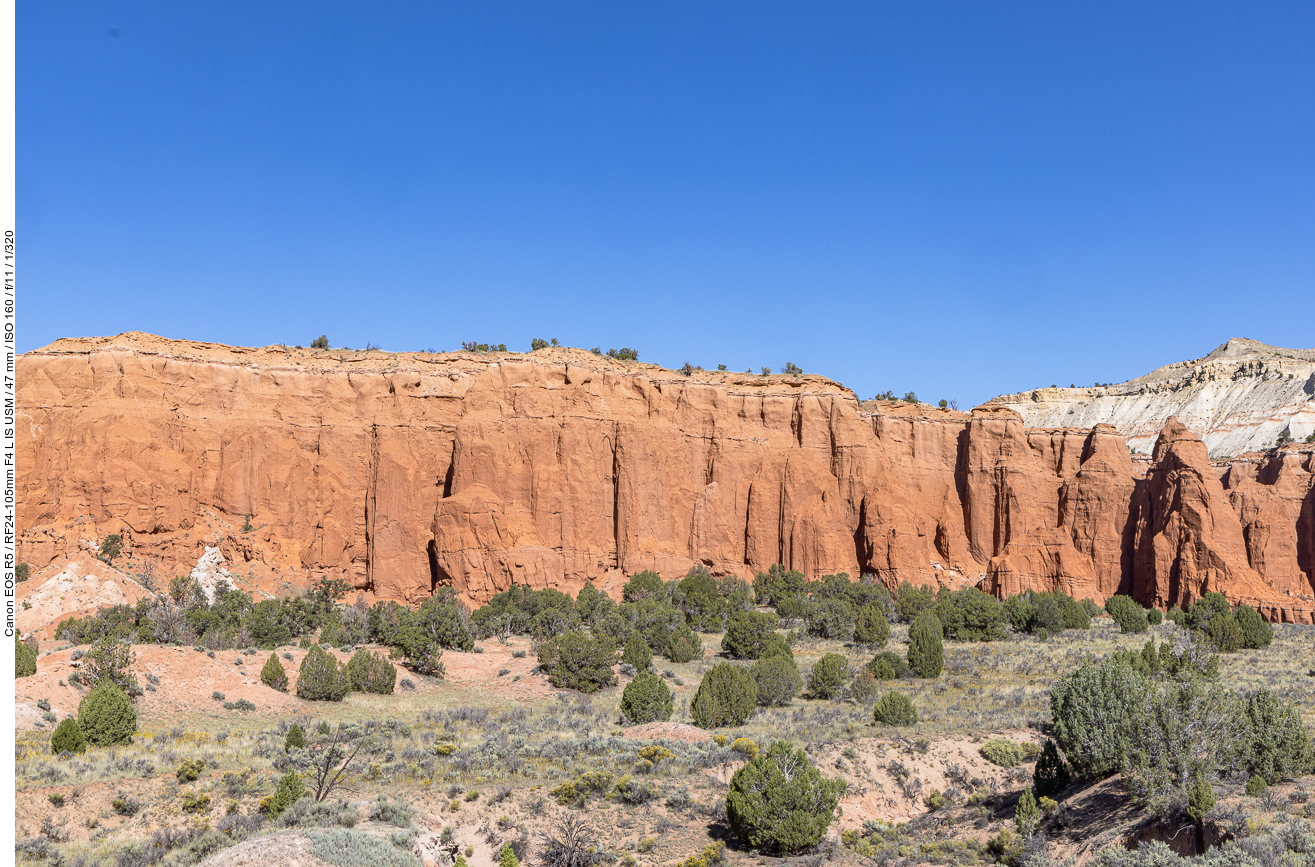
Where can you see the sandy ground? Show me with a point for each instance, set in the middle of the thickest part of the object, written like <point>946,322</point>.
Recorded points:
<point>188,679</point>
<point>668,731</point>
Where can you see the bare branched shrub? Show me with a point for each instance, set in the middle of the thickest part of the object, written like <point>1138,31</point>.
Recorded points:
<point>570,843</point>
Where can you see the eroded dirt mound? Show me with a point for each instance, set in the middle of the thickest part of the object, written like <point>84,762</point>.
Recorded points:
<point>74,587</point>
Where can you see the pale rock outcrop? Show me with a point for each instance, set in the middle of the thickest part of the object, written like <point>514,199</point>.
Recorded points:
<point>1239,398</point>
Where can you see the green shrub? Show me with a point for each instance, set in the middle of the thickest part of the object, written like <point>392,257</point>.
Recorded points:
<point>578,661</point>
<point>396,812</point>
<point>370,672</point>
<point>911,601</point>
<point>190,770</point>
<point>68,738</point>
<point>872,627</point>
<point>1276,743</point>
<point>698,597</point>
<point>296,738</point>
<point>1019,610</point>
<point>321,677</point>
<point>25,659</point>
<point>864,687</point>
<point>125,805</point>
<point>1027,815</point>
<point>290,790</point>
<point>779,802</point>
<point>1154,617</point>
<point>632,791</point>
<point>1114,717</point>
<point>1201,797</point>
<point>22,572</point>
<point>748,634</point>
<point>1225,633</point>
<point>832,618</point>
<point>1256,633</point>
<point>637,652</point>
<point>777,679</point>
<point>321,342</point>
<point>645,584</point>
<point>792,609</point>
<point>588,600</point>
<point>684,645</point>
<point>349,848</point>
<point>1051,775</point>
<point>106,716</point>
<point>422,636</point>
<point>777,583</point>
<point>888,665</point>
<point>777,646</point>
<point>971,615</point>
<point>646,699</point>
<point>273,674</point>
<point>1046,617</point>
<point>1007,753</point>
<point>111,547</point>
<point>108,661</point>
<point>727,696</point>
<point>828,675</point>
<point>507,857</point>
<point>196,802</point>
<point>266,623</point>
<point>1073,615</point>
<point>926,650</point>
<point>1130,616</point>
<point>1207,608</point>
<point>895,709</point>
<point>1256,786</point>
<point>1093,711</point>
<point>1177,615</point>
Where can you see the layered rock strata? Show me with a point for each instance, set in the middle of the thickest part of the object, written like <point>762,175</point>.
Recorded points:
<point>1240,398</point>
<point>405,472</point>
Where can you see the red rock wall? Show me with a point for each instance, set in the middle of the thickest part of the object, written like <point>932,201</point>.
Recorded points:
<point>402,472</point>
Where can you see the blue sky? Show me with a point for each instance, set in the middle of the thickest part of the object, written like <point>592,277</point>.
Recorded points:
<point>960,199</point>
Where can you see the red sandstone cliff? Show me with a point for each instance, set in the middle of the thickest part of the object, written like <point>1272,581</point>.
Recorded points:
<point>403,472</point>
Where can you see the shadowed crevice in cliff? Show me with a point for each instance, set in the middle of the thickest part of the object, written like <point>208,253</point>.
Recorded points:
<point>1306,537</point>
<point>617,557</point>
<point>961,480</point>
<point>437,576</point>
<point>1128,549</point>
<point>863,552</point>
<point>451,471</point>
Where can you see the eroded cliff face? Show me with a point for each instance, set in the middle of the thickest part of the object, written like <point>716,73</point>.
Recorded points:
<point>405,472</point>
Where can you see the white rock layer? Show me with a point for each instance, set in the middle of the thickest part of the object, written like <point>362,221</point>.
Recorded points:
<point>1240,398</point>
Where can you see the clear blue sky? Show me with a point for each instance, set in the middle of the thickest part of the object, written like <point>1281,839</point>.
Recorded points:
<point>960,199</point>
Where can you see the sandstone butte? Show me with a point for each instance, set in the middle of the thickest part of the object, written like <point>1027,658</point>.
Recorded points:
<point>403,473</point>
